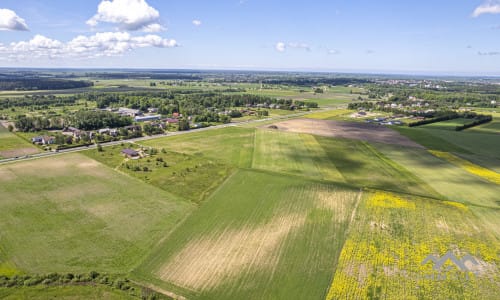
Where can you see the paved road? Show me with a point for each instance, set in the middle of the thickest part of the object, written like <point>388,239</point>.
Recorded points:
<point>144,138</point>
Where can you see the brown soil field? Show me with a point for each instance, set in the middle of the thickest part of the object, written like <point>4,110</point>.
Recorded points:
<point>348,130</point>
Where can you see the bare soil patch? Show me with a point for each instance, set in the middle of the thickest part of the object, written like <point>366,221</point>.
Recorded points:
<point>18,152</point>
<point>209,261</point>
<point>348,130</point>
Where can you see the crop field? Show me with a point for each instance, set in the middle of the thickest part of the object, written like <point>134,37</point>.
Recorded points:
<point>448,125</point>
<point>384,256</point>
<point>12,145</point>
<point>333,114</point>
<point>451,181</point>
<point>260,235</point>
<point>293,153</point>
<point>69,213</point>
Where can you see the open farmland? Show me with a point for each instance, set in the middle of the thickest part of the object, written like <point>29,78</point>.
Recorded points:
<point>339,129</point>
<point>70,213</point>
<point>12,145</point>
<point>384,255</point>
<point>260,236</point>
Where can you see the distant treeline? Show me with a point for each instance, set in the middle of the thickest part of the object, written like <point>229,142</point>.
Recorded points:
<point>37,101</point>
<point>302,81</point>
<point>155,76</point>
<point>30,84</point>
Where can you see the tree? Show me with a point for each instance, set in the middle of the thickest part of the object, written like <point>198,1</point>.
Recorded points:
<point>10,127</point>
<point>99,148</point>
<point>183,125</point>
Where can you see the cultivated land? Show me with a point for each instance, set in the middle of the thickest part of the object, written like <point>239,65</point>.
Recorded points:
<point>359,131</point>
<point>72,214</point>
<point>14,146</point>
<point>261,235</point>
<point>317,208</point>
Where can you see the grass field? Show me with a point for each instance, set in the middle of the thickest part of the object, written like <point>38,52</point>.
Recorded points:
<point>448,125</point>
<point>190,177</point>
<point>364,166</point>
<point>70,213</point>
<point>12,145</point>
<point>233,145</point>
<point>450,180</point>
<point>293,153</point>
<point>334,114</point>
<point>260,236</point>
<point>63,292</point>
<point>383,257</point>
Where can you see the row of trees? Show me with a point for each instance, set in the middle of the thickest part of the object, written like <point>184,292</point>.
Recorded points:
<point>9,84</point>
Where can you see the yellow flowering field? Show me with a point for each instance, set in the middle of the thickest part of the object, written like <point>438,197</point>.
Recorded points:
<point>390,239</point>
<point>468,166</point>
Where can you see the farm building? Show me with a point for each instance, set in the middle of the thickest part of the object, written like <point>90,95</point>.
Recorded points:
<point>147,118</point>
<point>130,153</point>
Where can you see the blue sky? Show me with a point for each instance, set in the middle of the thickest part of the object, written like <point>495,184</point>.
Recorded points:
<point>440,36</point>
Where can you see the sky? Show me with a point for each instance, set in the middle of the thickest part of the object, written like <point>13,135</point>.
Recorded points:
<point>422,37</point>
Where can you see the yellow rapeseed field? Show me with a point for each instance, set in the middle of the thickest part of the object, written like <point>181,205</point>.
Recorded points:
<point>468,166</point>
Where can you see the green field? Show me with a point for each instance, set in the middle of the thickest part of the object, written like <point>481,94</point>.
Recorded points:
<point>12,145</point>
<point>190,177</point>
<point>451,181</point>
<point>292,153</point>
<point>260,236</point>
<point>63,292</point>
<point>448,125</point>
<point>233,145</point>
<point>70,213</point>
<point>275,213</point>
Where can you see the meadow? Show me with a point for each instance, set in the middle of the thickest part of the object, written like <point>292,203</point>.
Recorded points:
<point>11,145</point>
<point>70,213</point>
<point>64,292</point>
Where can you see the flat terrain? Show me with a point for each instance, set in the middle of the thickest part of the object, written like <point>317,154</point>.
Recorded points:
<point>12,145</point>
<point>384,255</point>
<point>261,236</point>
<point>350,130</point>
<point>72,214</point>
<point>63,292</point>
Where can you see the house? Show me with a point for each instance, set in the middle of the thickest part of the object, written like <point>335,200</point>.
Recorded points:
<point>75,132</point>
<point>147,118</point>
<point>133,128</point>
<point>171,121</point>
<point>48,140</point>
<point>37,140</point>
<point>130,153</point>
<point>152,110</point>
<point>103,131</point>
<point>113,132</point>
<point>129,112</point>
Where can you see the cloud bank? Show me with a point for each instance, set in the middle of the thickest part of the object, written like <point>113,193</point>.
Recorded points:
<point>131,15</point>
<point>9,20</point>
<point>82,47</point>
<point>488,7</point>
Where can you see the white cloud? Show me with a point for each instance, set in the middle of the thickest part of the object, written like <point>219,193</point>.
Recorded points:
<point>9,20</point>
<point>196,22</point>
<point>280,47</point>
<point>333,51</point>
<point>83,47</point>
<point>491,53</point>
<point>488,7</point>
<point>128,14</point>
